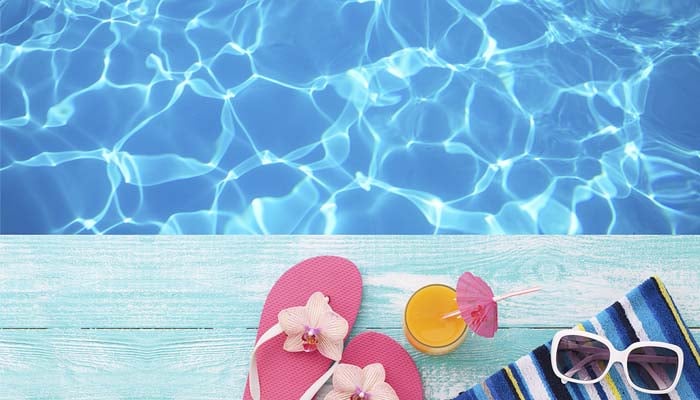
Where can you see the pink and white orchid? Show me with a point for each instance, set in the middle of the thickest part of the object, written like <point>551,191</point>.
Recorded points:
<point>314,327</point>
<point>353,383</point>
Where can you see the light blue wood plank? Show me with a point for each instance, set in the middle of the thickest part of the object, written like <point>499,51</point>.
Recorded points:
<point>200,364</point>
<point>222,282</point>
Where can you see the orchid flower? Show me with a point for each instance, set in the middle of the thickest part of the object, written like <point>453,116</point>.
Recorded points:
<point>314,327</point>
<point>353,383</point>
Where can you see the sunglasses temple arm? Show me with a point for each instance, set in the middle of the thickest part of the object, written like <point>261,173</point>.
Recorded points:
<point>581,364</point>
<point>655,375</point>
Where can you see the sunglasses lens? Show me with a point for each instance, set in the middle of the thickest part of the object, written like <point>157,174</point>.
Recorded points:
<point>582,358</point>
<point>653,368</point>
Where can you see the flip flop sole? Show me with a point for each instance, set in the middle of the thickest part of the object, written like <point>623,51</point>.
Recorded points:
<point>285,375</point>
<point>401,371</point>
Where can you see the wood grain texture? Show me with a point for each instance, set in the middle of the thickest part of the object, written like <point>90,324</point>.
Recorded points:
<point>201,364</point>
<point>221,282</point>
<point>215,287</point>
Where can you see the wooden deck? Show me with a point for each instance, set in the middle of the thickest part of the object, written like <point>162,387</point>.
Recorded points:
<point>175,317</point>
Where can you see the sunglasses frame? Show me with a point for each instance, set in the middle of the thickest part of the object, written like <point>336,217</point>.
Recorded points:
<point>616,356</point>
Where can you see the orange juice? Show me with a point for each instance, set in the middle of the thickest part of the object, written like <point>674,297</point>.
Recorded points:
<point>424,325</point>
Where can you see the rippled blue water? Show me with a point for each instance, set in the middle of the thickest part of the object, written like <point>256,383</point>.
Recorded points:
<point>329,116</point>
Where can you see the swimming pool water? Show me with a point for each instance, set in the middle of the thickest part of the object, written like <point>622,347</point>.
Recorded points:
<point>326,116</point>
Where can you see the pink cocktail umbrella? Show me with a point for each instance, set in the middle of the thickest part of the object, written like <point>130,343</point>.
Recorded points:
<point>478,306</point>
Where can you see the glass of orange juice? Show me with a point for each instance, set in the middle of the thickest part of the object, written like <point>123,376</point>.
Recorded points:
<point>424,325</point>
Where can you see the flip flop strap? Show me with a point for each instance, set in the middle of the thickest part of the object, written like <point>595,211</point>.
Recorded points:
<point>313,389</point>
<point>254,379</point>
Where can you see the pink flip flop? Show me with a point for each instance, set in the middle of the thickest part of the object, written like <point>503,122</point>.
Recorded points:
<point>376,367</point>
<point>307,316</point>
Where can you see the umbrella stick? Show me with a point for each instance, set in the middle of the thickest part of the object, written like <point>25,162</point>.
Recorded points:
<point>496,299</point>
<point>452,314</point>
<point>513,294</point>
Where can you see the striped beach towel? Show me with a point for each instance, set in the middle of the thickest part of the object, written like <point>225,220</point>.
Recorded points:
<point>646,313</point>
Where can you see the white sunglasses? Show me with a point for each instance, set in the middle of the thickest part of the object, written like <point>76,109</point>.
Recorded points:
<point>586,358</point>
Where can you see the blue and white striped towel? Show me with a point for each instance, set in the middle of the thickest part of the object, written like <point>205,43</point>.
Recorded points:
<point>646,313</point>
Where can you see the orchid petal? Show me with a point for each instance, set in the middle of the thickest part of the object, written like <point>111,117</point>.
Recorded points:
<point>347,378</point>
<point>372,375</point>
<point>383,391</point>
<point>332,349</point>
<point>333,326</point>
<point>293,343</point>
<point>316,307</point>
<point>292,320</point>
